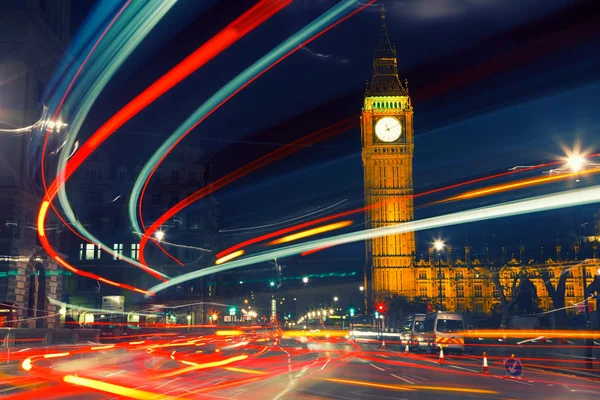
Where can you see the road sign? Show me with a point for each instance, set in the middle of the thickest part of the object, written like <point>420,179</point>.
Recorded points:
<point>113,303</point>
<point>513,367</point>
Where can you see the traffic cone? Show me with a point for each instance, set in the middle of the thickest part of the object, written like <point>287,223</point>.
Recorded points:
<point>484,368</point>
<point>441,361</point>
<point>406,349</point>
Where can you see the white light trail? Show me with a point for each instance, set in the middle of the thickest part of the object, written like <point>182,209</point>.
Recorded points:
<point>535,204</point>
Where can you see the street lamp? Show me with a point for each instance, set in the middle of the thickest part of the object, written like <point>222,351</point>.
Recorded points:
<point>335,298</point>
<point>272,284</point>
<point>576,162</point>
<point>439,246</point>
<point>361,288</point>
<point>305,281</point>
<point>160,235</point>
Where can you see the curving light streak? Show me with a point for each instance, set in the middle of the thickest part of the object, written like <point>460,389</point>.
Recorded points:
<point>27,129</point>
<point>531,205</point>
<point>237,29</point>
<point>316,28</point>
<point>516,185</point>
<point>135,26</point>
<point>311,232</point>
<point>251,228</point>
<point>229,257</point>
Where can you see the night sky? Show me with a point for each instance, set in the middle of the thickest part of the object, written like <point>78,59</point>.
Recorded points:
<point>494,85</point>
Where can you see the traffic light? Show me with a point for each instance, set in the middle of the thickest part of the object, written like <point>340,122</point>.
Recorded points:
<point>352,312</point>
<point>232,311</point>
<point>376,315</point>
<point>381,308</point>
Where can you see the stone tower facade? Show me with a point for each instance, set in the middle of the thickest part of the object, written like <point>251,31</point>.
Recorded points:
<point>387,153</point>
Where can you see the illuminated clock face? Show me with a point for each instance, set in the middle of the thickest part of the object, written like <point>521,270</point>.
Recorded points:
<point>388,129</point>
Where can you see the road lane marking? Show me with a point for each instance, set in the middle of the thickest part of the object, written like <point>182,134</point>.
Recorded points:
<point>465,369</point>
<point>513,380</point>
<point>569,355</point>
<point>375,366</point>
<point>403,379</point>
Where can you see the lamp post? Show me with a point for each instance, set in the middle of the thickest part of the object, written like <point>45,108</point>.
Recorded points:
<point>362,292</point>
<point>305,281</point>
<point>439,246</point>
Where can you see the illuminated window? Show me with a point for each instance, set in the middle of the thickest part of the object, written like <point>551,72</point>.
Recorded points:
<point>570,290</point>
<point>118,249</point>
<point>422,274</point>
<point>478,290</point>
<point>460,291</point>
<point>90,251</point>
<point>81,251</point>
<point>135,251</point>
<point>423,291</point>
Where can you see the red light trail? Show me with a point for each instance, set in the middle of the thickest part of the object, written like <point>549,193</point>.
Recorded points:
<point>233,32</point>
<point>165,217</point>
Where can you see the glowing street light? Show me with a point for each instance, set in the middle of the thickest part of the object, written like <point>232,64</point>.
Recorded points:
<point>439,245</point>
<point>361,288</point>
<point>335,299</point>
<point>160,235</point>
<point>576,162</point>
<point>305,280</point>
<point>272,284</point>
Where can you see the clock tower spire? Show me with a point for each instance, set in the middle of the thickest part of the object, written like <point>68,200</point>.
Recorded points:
<point>387,152</point>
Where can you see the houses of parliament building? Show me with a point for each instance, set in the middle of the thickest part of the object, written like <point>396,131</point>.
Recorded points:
<point>450,283</point>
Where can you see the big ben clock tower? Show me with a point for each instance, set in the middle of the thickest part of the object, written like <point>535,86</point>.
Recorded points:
<point>387,152</point>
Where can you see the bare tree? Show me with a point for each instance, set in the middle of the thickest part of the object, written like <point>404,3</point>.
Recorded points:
<point>557,294</point>
<point>492,270</point>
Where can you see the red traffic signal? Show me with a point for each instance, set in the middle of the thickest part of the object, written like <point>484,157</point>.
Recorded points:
<point>381,308</point>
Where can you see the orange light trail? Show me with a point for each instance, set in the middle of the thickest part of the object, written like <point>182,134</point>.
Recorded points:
<point>255,16</point>
<point>195,366</point>
<point>254,165</point>
<point>517,185</point>
<point>229,257</point>
<point>245,371</point>
<point>114,389</point>
<point>410,388</point>
<point>311,232</point>
<point>235,332</point>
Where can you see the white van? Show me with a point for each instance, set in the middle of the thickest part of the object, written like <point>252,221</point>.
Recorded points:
<point>412,332</point>
<point>444,329</point>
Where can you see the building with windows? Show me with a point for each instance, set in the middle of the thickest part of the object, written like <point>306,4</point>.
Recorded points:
<point>33,37</point>
<point>471,282</point>
<point>99,192</point>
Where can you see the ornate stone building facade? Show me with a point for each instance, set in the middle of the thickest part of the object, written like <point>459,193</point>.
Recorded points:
<point>33,35</point>
<point>468,283</point>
